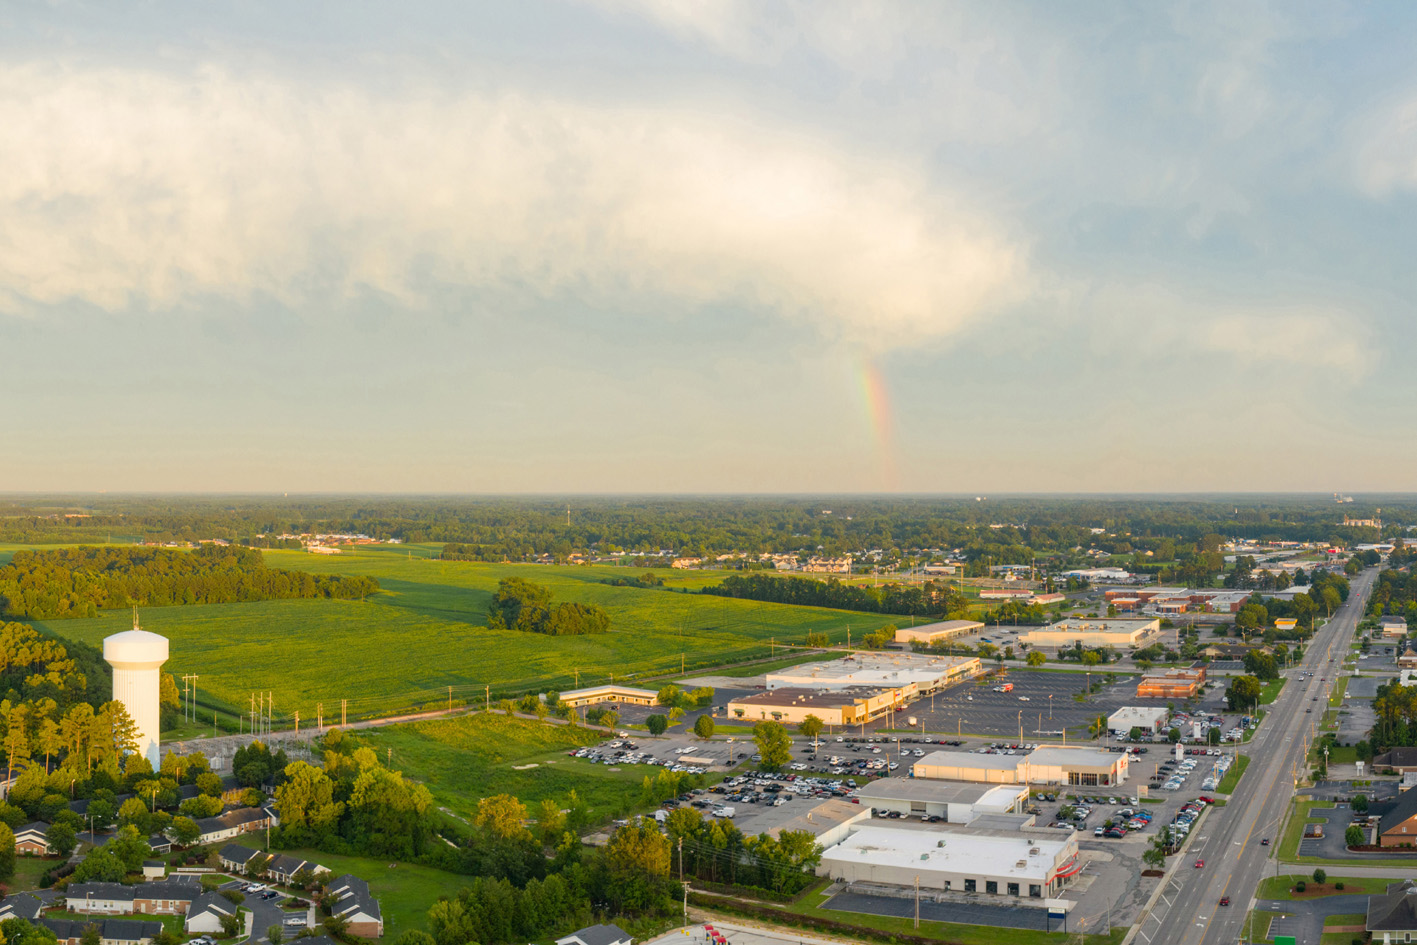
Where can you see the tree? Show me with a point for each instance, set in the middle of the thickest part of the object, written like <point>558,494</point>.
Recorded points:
<point>1320,876</point>
<point>62,838</point>
<point>637,859</point>
<point>1261,665</point>
<point>703,726</point>
<point>231,924</point>
<point>811,726</point>
<point>657,724</point>
<point>90,935</point>
<point>502,816</point>
<point>550,822</point>
<point>1360,803</point>
<point>1243,693</point>
<point>1353,836</point>
<point>1173,735</point>
<point>774,745</point>
<point>1036,658</point>
<point>7,851</point>
<point>184,831</point>
<point>275,935</point>
<point>1212,736</point>
<point>1154,855</point>
<point>134,812</point>
<point>1136,734</point>
<point>670,696</point>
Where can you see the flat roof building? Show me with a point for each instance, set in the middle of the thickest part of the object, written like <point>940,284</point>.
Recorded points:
<point>1090,767</point>
<point>958,802</point>
<point>1392,628</point>
<point>886,671</point>
<point>1116,632</point>
<point>936,632</point>
<point>1150,719</point>
<point>1028,864</point>
<point>791,705</point>
<point>1179,683</point>
<point>830,821</point>
<point>595,694</point>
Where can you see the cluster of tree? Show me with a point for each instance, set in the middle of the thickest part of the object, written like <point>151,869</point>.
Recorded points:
<point>1395,706</point>
<point>1243,694</point>
<point>931,598</point>
<point>1088,656</point>
<point>1394,593</point>
<point>79,582</point>
<point>1261,665</point>
<point>1246,575</point>
<point>1326,592</point>
<point>351,803</point>
<point>1019,614</point>
<point>50,693</point>
<point>521,605</point>
<point>648,580</point>
<point>717,851</point>
<point>673,697</point>
<point>255,765</point>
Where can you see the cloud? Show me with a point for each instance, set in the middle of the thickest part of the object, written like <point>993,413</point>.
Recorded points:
<point>1386,156</point>
<point>138,189</point>
<point>1313,339</point>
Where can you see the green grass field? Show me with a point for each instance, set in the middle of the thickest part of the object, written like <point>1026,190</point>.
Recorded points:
<point>426,631</point>
<point>1280,887</point>
<point>1271,689</point>
<point>1232,777</point>
<point>466,758</point>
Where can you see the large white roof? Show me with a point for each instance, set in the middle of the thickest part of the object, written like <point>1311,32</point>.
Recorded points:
<point>135,646</point>
<point>965,759</point>
<point>952,851</point>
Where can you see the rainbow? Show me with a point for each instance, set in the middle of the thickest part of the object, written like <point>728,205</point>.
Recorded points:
<point>876,399</point>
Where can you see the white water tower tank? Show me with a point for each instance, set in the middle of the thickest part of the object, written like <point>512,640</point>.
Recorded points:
<point>136,656</point>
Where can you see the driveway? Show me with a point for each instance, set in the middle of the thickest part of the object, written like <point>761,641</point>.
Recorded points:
<point>266,913</point>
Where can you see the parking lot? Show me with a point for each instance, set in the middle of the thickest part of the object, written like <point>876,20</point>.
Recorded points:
<point>1040,702</point>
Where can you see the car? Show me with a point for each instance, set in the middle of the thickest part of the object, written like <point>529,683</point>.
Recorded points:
<point>1264,842</point>
<point>1225,900</point>
<point>1200,864</point>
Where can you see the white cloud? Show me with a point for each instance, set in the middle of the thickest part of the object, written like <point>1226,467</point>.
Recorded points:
<point>1386,156</point>
<point>1300,337</point>
<point>125,188</point>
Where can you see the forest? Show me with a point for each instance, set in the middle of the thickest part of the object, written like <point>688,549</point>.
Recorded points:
<point>520,604</point>
<point>889,599</point>
<point>79,582</point>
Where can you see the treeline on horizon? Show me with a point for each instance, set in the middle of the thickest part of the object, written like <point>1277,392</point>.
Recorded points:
<point>1006,530</point>
<point>79,582</point>
<point>808,592</point>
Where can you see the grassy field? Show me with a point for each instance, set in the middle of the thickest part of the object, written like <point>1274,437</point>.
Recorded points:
<point>1232,777</point>
<point>466,758</point>
<point>425,632</point>
<point>28,870</point>
<point>1280,887</point>
<point>1270,690</point>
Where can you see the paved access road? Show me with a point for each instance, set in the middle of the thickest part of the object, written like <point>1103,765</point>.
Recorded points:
<point>1229,838</point>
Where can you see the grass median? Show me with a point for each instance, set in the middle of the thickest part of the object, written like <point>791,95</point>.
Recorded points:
<point>1232,777</point>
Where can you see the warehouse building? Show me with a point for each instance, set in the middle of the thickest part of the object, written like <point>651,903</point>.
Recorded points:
<point>1084,767</point>
<point>830,821</point>
<point>1150,719</point>
<point>1033,865</point>
<point>591,695</point>
<point>958,802</point>
<point>833,706</point>
<point>937,632</point>
<point>1116,632</point>
<point>884,671</point>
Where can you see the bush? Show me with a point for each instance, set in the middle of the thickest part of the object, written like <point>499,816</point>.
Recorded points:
<point>1320,876</point>
<point>1300,886</point>
<point>1338,886</point>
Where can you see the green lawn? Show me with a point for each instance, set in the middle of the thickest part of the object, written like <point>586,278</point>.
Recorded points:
<point>1271,689</point>
<point>405,891</point>
<point>403,648</point>
<point>28,870</point>
<point>1232,777</point>
<point>1335,698</point>
<point>1294,827</point>
<point>1278,887</point>
<point>466,758</point>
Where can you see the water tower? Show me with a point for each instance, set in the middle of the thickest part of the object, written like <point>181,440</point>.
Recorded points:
<point>136,656</point>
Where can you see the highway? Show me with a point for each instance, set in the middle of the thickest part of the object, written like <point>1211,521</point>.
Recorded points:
<point>1229,839</point>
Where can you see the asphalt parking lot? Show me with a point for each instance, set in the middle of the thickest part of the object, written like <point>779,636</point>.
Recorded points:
<point>969,913</point>
<point>1040,702</point>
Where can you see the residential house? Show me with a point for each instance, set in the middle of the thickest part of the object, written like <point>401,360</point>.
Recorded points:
<point>356,906</point>
<point>234,857</point>
<point>33,839</point>
<point>597,935</point>
<point>233,823</point>
<point>110,931</point>
<point>206,913</point>
<point>21,906</point>
<point>166,897</point>
<point>1392,915</point>
<point>1396,760</point>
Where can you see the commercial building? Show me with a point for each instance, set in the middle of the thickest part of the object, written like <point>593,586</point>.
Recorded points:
<point>1392,628</point>
<point>1091,767</point>
<point>937,632</point>
<point>1396,760</point>
<point>993,862</point>
<point>591,695</point>
<point>833,706</point>
<point>1150,719</point>
<point>1408,659</point>
<point>884,671</point>
<point>830,821</point>
<point>1046,599</point>
<point>958,802</point>
<point>1176,683</point>
<point>1112,632</point>
<point>1285,623</point>
<point>1397,823</point>
<point>1005,593</point>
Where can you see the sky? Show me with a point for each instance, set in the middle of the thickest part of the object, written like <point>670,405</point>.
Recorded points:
<point>756,246</point>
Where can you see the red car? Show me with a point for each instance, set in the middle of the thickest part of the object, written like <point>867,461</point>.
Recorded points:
<point>1200,863</point>
<point>1225,900</point>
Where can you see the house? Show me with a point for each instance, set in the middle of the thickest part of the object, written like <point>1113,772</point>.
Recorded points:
<point>1398,825</point>
<point>284,868</point>
<point>234,857</point>
<point>159,844</point>
<point>1396,760</point>
<point>1408,660</point>
<point>1392,915</point>
<point>110,931</point>
<point>234,823</point>
<point>206,913</point>
<point>33,839</point>
<point>597,935</point>
<point>154,871</point>
<point>20,906</point>
<point>356,906</point>
<point>165,897</point>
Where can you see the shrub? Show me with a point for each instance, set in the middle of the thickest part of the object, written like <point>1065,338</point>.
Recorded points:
<point>1338,886</point>
<point>1320,876</point>
<point>1300,886</point>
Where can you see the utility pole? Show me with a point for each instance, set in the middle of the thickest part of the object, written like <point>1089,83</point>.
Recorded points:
<point>488,691</point>
<point>343,704</point>
<point>320,717</point>
<point>450,698</point>
<point>917,902</point>
<point>297,723</point>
